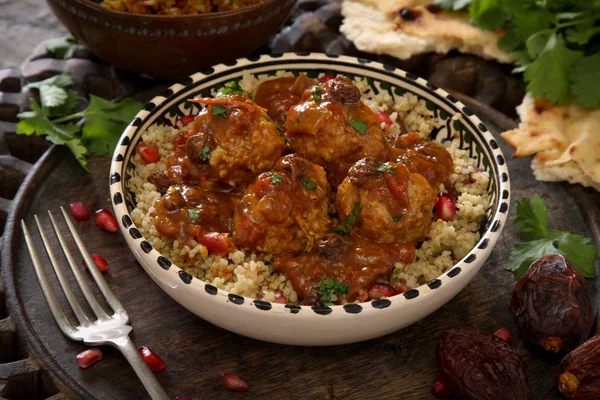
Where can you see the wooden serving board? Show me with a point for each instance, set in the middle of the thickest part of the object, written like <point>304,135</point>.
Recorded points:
<point>397,366</point>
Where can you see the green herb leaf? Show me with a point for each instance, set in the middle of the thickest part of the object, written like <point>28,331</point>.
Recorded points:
<point>275,178</point>
<point>531,220</point>
<point>487,14</point>
<point>105,121</point>
<point>328,289</point>
<point>308,184</point>
<point>316,93</point>
<point>79,151</point>
<point>586,81</point>
<point>324,111</point>
<point>233,87</point>
<point>63,80</point>
<point>204,153</point>
<point>219,111</point>
<point>193,214</point>
<point>68,106</point>
<point>36,122</point>
<point>52,96</point>
<point>341,230</point>
<point>387,167</point>
<point>548,76</point>
<point>352,218</point>
<point>62,47</point>
<point>397,218</point>
<point>359,125</point>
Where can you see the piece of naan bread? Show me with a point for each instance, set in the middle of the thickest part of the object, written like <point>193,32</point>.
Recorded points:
<point>564,139</point>
<point>375,26</point>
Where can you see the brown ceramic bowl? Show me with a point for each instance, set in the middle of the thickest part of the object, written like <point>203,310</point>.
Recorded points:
<point>167,46</point>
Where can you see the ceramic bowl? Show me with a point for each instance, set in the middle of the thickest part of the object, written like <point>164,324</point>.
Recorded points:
<point>305,325</point>
<point>171,46</point>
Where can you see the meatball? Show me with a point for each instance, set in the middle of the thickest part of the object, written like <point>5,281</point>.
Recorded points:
<point>284,211</point>
<point>236,138</point>
<point>385,202</point>
<point>334,129</point>
<point>279,94</point>
<point>428,158</point>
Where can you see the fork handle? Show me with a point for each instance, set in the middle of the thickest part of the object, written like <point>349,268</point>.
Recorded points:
<point>143,371</point>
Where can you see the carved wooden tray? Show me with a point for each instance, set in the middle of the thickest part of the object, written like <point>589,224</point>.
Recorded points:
<point>39,363</point>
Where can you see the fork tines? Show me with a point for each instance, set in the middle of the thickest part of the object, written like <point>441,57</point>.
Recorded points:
<point>61,319</point>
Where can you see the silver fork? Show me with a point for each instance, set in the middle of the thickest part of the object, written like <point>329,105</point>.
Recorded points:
<point>106,329</point>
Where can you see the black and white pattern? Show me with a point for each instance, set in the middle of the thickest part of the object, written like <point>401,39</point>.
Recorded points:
<point>474,137</point>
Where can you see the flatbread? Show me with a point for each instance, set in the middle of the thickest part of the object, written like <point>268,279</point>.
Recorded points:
<point>564,139</point>
<point>374,26</point>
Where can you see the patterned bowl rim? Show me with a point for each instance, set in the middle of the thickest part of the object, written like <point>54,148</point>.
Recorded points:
<point>155,261</point>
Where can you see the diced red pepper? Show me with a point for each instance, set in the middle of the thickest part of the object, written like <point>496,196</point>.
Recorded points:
<point>327,77</point>
<point>80,211</point>
<point>280,298</point>
<point>88,357</point>
<point>155,363</point>
<point>217,243</point>
<point>380,290</point>
<point>106,220</point>
<point>149,154</point>
<point>445,208</point>
<point>383,117</point>
<point>397,184</point>
<point>187,119</point>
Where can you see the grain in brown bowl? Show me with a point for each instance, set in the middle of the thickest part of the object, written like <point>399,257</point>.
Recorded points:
<point>167,46</point>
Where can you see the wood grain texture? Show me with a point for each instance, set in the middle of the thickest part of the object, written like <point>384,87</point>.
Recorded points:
<point>400,365</point>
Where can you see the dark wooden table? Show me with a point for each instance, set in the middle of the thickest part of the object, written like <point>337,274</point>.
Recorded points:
<point>36,360</point>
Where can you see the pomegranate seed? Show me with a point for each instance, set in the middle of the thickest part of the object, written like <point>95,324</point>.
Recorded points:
<point>232,381</point>
<point>80,211</point>
<point>148,153</point>
<point>327,77</point>
<point>380,290</point>
<point>155,363</point>
<point>100,262</point>
<point>281,299</point>
<point>364,296</point>
<point>445,208</point>
<point>88,357</point>
<point>401,287</point>
<point>105,220</point>
<point>187,119</point>
<point>439,388</point>
<point>504,334</point>
<point>383,117</point>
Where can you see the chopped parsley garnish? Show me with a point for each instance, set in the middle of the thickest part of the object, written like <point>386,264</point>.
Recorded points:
<point>368,206</point>
<point>397,218</point>
<point>219,111</point>
<point>193,214</point>
<point>329,288</point>
<point>388,168</point>
<point>308,184</point>
<point>316,93</point>
<point>233,87</point>
<point>532,224</point>
<point>359,125</point>
<point>204,153</point>
<point>352,218</point>
<point>275,178</point>
<point>341,230</point>
<point>324,111</point>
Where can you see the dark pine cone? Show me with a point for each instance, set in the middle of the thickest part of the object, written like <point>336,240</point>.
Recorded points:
<point>480,366</point>
<point>552,305</point>
<point>578,375</point>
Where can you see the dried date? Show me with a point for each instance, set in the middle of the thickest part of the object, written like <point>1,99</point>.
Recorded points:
<point>578,374</point>
<point>480,366</point>
<point>552,305</point>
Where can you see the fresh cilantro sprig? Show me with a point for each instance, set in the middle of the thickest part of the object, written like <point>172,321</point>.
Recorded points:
<point>532,224</point>
<point>96,129</point>
<point>555,43</point>
<point>328,289</point>
<point>62,47</point>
